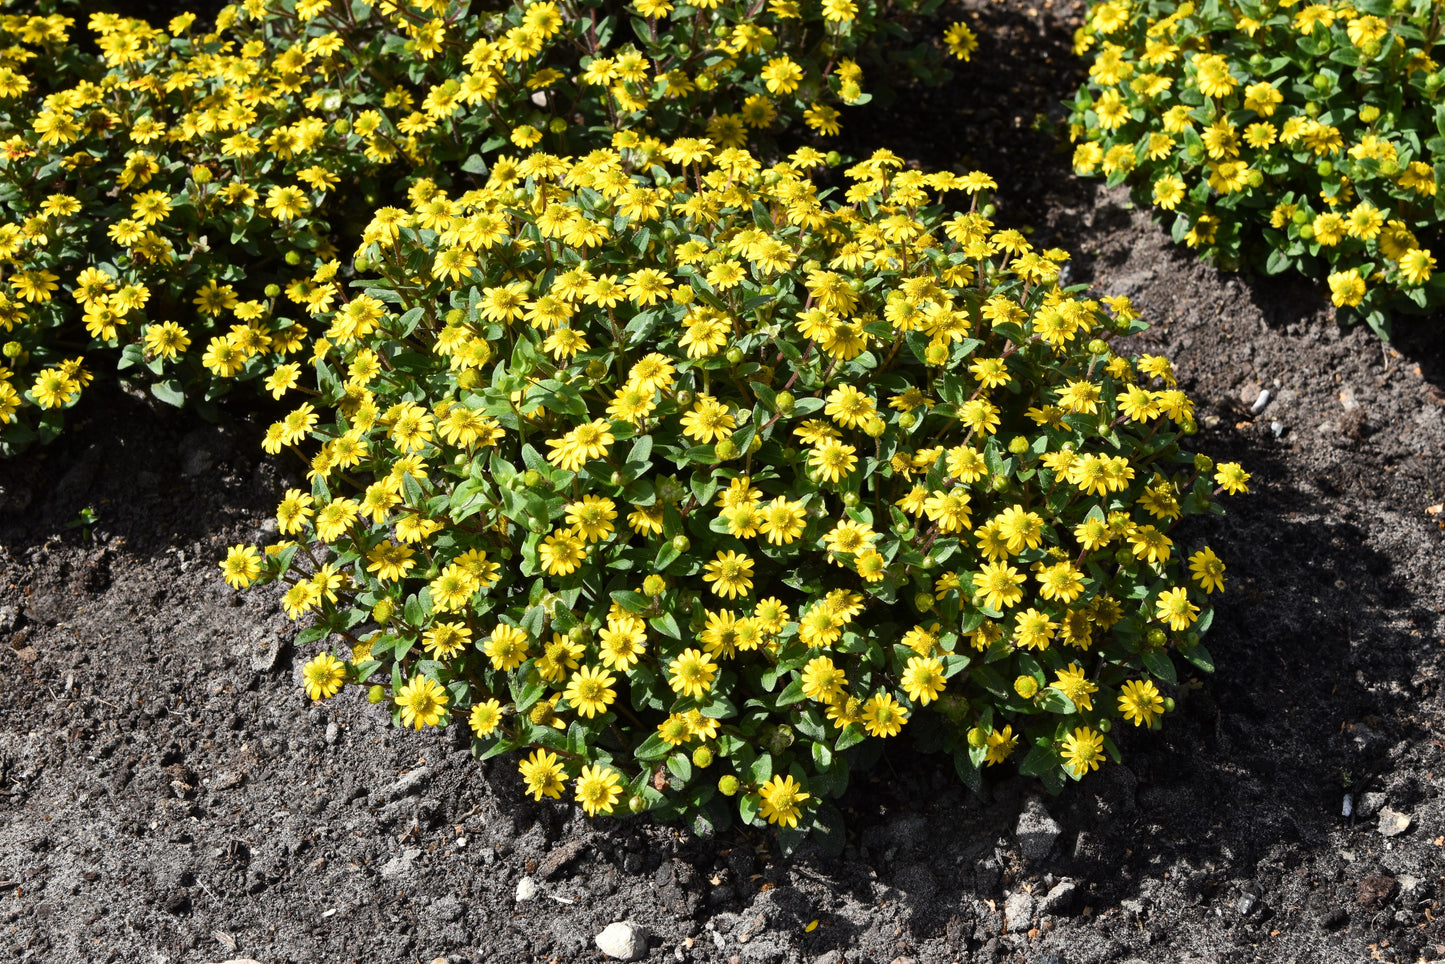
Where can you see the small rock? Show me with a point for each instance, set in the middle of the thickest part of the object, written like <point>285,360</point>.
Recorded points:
<point>1370,804</point>
<point>408,784</point>
<point>559,858</point>
<point>623,940</point>
<point>1277,428</point>
<point>526,889</point>
<point>333,733</point>
<point>401,865</point>
<point>1393,823</point>
<point>1036,830</point>
<point>1018,912</point>
<point>9,617</point>
<point>1260,402</point>
<point>1246,904</point>
<point>1060,898</point>
<point>1347,399</point>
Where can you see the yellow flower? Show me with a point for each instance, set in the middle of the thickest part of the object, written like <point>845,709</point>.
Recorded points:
<point>323,677</point>
<point>422,701</point>
<point>781,800</point>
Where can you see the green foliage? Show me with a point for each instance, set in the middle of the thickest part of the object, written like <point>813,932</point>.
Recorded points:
<point>1306,138</point>
<point>662,465</point>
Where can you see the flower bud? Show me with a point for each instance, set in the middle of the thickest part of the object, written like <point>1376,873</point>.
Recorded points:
<point>978,737</point>
<point>702,758</point>
<point>637,803</point>
<point>923,602</point>
<point>727,785</point>
<point>13,349</point>
<point>681,543</point>
<point>654,585</point>
<point>734,355</point>
<point>874,427</point>
<point>202,174</point>
<point>375,695</point>
<point>1098,347</point>
<point>786,401</point>
<point>273,291</point>
<point>1203,463</point>
<point>1018,445</point>
<point>381,613</point>
<point>907,420</point>
<point>1026,686</point>
<point>1156,637</point>
<point>293,258</point>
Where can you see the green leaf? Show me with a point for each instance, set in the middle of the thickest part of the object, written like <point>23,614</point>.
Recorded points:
<point>1158,663</point>
<point>1199,657</point>
<point>170,392</point>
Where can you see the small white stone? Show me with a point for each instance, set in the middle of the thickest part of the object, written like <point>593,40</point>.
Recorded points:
<point>623,940</point>
<point>1393,823</point>
<point>526,889</point>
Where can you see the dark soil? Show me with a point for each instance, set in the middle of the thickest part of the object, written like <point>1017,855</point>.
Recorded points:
<point>167,794</point>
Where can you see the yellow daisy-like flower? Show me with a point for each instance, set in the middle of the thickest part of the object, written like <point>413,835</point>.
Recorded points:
<point>422,701</point>
<point>781,800</point>
<point>323,677</point>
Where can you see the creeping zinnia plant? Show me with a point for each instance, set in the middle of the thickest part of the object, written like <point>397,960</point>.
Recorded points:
<point>683,481</point>
<point>1305,137</point>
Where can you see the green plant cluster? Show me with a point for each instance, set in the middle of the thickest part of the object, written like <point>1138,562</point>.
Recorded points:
<point>695,484</point>
<point>157,188</point>
<point>1307,137</point>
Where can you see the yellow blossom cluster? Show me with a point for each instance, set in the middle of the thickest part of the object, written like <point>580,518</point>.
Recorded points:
<point>189,159</point>
<point>657,462</point>
<point>1285,136</point>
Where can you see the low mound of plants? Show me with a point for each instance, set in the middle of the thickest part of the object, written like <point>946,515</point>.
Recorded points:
<point>694,484</point>
<point>1294,137</point>
<point>157,183</point>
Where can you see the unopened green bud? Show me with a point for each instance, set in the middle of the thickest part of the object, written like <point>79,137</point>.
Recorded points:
<point>681,543</point>
<point>998,483</point>
<point>654,585</point>
<point>1156,637</point>
<point>874,427</point>
<point>1203,463</point>
<point>580,635</point>
<point>1168,704</point>
<point>727,785</point>
<point>923,602</point>
<point>685,399</point>
<point>375,695</point>
<point>202,174</point>
<point>596,368</point>
<point>1098,347</point>
<point>1124,556</point>
<point>273,291</point>
<point>734,356</point>
<point>557,125</point>
<point>293,258</point>
<point>1026,686</point>
<point>342,126</point>
<point>1104,726</point>
<point>978,737</point>
<point>1018,445</point>
<point>780,738</point>
<point>851,499</point>
<point>456,316</point>
<point>702,758</point>
<point>786,401</point>
<point>907,420</point>
<point>382,611</point>
<point>637,803</point>
<point>13,349</point>
<point>927,562</point>
<point>726,449</point>
<point>363,264</point>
